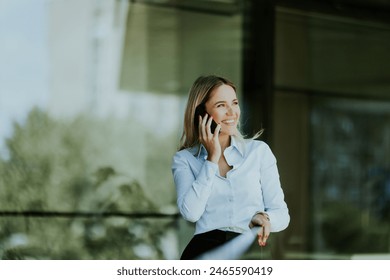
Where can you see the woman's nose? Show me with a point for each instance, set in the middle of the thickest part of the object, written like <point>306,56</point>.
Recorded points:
<point>229,111</point>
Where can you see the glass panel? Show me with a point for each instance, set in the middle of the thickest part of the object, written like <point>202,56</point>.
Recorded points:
<point>96,238</point>
<point>166,49</point>
<point>331,54</point>
<point>350,162</point>
<point>339,191</point>
<point>92,127</point>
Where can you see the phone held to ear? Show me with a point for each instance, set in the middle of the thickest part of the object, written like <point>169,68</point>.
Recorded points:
<point>201,110</point>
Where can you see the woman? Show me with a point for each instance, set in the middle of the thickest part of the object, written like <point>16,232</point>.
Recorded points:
<point>225,184</point>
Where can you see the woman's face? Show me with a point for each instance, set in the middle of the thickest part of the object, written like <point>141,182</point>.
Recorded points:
<point>223,107</point>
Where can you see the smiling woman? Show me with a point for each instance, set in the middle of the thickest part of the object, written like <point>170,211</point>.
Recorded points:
<point>225,184</point>
<point>223,108</point>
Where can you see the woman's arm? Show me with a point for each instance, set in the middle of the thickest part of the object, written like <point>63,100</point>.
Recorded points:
<point>275,216</point>
<point>274,204</point>
<point>192,190</point>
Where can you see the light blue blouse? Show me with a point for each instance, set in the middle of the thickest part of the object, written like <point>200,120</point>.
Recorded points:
<point>229,203</point>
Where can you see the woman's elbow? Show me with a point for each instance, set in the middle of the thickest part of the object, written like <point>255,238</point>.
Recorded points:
<point>285,222</point>
<point>281,223</point>
<point>188,214</point>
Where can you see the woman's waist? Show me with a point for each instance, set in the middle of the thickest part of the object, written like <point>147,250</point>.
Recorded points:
<point>218,235</point>
<point>237,228</point>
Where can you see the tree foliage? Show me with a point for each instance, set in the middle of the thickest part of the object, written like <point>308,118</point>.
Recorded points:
<point>84,165</point>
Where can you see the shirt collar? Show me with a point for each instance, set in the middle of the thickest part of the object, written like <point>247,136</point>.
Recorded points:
<point>238,144</point>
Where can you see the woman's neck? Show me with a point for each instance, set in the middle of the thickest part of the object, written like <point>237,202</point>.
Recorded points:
<point>224,140</point>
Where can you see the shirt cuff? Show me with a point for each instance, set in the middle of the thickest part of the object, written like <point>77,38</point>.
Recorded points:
<point>211,168</point>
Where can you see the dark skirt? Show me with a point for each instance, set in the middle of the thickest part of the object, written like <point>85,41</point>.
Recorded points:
<point>203,242</point>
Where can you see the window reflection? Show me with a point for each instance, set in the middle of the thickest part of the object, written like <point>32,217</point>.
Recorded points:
<point>350,176</point>
<point>95,118</point>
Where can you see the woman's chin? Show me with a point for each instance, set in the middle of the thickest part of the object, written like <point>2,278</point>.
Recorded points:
<point>230,131</point>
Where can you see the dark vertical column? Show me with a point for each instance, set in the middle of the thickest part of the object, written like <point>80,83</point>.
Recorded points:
<point>258,66</point>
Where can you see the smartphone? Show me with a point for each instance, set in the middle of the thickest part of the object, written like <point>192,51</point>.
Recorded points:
<point>201,110</point>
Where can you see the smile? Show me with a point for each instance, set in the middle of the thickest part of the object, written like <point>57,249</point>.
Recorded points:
<point>229,122</point>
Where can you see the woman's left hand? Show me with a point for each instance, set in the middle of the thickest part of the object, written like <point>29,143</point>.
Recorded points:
<point>262,220</point>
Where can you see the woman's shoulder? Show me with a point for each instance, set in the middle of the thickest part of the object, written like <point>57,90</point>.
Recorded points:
<point>255,144</point>
<point>185,154</point>
<point>185,158</point>
<point>259,148</point>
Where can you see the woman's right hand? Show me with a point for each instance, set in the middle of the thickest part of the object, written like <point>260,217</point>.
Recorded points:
<point>261,219</point>
<point>208,139</point>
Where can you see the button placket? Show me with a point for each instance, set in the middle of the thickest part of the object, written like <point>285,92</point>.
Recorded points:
<point>231,201</point>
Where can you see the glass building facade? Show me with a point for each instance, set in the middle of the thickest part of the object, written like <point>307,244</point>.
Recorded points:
<point>90,128</point>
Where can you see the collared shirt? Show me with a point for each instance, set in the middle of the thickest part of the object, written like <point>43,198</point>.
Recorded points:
<point>229,203</point>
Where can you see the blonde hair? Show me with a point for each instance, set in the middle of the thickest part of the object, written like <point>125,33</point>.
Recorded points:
<point>199,94</point>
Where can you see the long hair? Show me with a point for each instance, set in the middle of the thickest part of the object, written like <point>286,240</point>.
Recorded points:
<point>198,94</point>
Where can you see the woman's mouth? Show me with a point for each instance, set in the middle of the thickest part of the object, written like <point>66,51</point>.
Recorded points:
<point>228,122</point>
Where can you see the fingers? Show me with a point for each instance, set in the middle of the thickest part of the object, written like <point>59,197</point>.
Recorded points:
<point>208,126</point>
<point>205,127</point>
<point>263,234</point>
<point>265,228</point>
<point>209,140</point>
<point>202,127</point>
<point>217,130</point>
